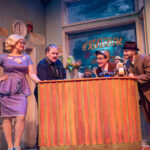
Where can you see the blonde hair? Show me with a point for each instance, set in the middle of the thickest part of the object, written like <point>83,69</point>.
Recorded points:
<point>12,40</point>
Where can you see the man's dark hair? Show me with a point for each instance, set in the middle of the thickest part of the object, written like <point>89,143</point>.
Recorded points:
<point>50,46</point>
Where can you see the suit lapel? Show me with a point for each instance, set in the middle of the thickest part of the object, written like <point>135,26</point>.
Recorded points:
<point>136,62</point>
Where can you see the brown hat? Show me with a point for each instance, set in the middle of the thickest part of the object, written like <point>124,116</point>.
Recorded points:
<point>130,46</point>
<point>118,58</point>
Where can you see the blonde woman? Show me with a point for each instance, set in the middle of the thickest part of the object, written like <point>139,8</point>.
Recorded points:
<point>14,88</point>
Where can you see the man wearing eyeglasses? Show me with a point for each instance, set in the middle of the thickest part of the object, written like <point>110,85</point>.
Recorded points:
<point>103,64</point>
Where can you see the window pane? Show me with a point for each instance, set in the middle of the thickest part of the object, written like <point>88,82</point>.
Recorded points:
<point>85,10</point>
<point>83,45</point>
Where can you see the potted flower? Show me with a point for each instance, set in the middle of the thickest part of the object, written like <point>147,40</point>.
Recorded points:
<point>72,67</point>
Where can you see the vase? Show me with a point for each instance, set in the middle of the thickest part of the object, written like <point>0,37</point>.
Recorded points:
<point>72,74</point>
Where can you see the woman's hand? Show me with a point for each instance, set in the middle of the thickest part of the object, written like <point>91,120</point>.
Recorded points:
<point>32,75</point>
<point>5,77</point>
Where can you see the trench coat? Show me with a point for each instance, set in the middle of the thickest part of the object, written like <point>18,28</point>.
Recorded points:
<point>141,69</point>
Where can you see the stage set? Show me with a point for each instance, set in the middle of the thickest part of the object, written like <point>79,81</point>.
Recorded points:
<point>77,113</point>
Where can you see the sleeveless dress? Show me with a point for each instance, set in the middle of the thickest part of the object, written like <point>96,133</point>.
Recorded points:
<point>14,90</point>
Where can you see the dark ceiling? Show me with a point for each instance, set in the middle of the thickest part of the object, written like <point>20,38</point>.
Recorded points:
<point>46,1</point>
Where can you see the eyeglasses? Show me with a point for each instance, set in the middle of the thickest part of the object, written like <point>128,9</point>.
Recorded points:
<point>100,58</point>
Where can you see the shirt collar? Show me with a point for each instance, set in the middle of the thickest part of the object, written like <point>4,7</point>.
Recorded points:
<point>105,68</point>
<point>133,61</point>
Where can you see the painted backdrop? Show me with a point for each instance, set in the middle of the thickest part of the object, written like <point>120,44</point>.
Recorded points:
<point>83,45</point>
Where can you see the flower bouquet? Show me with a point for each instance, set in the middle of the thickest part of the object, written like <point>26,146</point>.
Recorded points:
<point>72,67</point>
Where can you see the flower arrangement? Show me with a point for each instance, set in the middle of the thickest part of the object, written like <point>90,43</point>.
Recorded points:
<point>72,64</point>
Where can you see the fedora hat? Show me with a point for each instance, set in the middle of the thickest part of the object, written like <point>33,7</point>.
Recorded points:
<point>130,46</point>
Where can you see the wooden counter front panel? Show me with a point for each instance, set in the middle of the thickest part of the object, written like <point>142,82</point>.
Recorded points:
<point>89,112</point>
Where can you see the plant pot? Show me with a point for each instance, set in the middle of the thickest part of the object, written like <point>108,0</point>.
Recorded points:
<point>72,74</point>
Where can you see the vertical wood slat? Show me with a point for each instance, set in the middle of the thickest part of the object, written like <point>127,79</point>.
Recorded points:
<point>42,139</point>
<point>130,115</point>
<point>49,114</point>
<point>121,111</point>
<point>133,110</point>
<point>76,114</point>
<point>137,115</point>
<point>125,112</point>
<point>54,114</point>
<point>61,117</point>
<point>118,113</point>
<point>80,114</point>
<point>73,114</point>
<point>112,105</point>
<point>86,114</point>
<point>67,113</point>
<point>105,112</point>
<point>89,112</point>
<point>98,113</point>
<point>138,111</point>
<point>92,112</point>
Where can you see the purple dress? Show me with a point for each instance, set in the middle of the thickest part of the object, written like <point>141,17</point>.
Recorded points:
<point>14,90</point>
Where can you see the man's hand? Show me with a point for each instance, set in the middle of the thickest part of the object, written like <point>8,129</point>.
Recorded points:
<point>132,75</point>
<point>5,77</point>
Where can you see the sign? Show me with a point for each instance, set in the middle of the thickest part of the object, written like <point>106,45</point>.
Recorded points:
<point>37,38</point>
<point>102,42</point>
<point>3,32</point>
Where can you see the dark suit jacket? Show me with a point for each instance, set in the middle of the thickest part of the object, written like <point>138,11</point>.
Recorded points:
<point>141,70</point>
<point>111,67</point>
<point>46,70</point>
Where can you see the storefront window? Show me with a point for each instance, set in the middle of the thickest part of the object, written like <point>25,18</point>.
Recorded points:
<point>85,10</point>
<point>83,45</point>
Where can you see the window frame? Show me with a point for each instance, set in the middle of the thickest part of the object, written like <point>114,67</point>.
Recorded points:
<point>102,23</point>
<point>65,14</point>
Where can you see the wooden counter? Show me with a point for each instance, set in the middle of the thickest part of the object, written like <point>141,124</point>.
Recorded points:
<point>93,114</point>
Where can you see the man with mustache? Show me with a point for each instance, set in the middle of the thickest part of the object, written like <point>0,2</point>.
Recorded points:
<point>139,67</point>
<point>50,68</point>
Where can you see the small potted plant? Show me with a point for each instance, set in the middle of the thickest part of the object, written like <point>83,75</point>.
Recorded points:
<point>72,67</point>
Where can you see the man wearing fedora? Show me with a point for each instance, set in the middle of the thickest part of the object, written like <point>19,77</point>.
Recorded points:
<point>139,67</point>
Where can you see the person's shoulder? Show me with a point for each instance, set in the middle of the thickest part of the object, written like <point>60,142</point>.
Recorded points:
<point>127,64</point>
<point>58,62</point>
<point>98,70</point>
<point>113,65</point>
<point>27,56</point>
<point>143,57</point>
<point>42,62</point>
<point>3,56</point>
